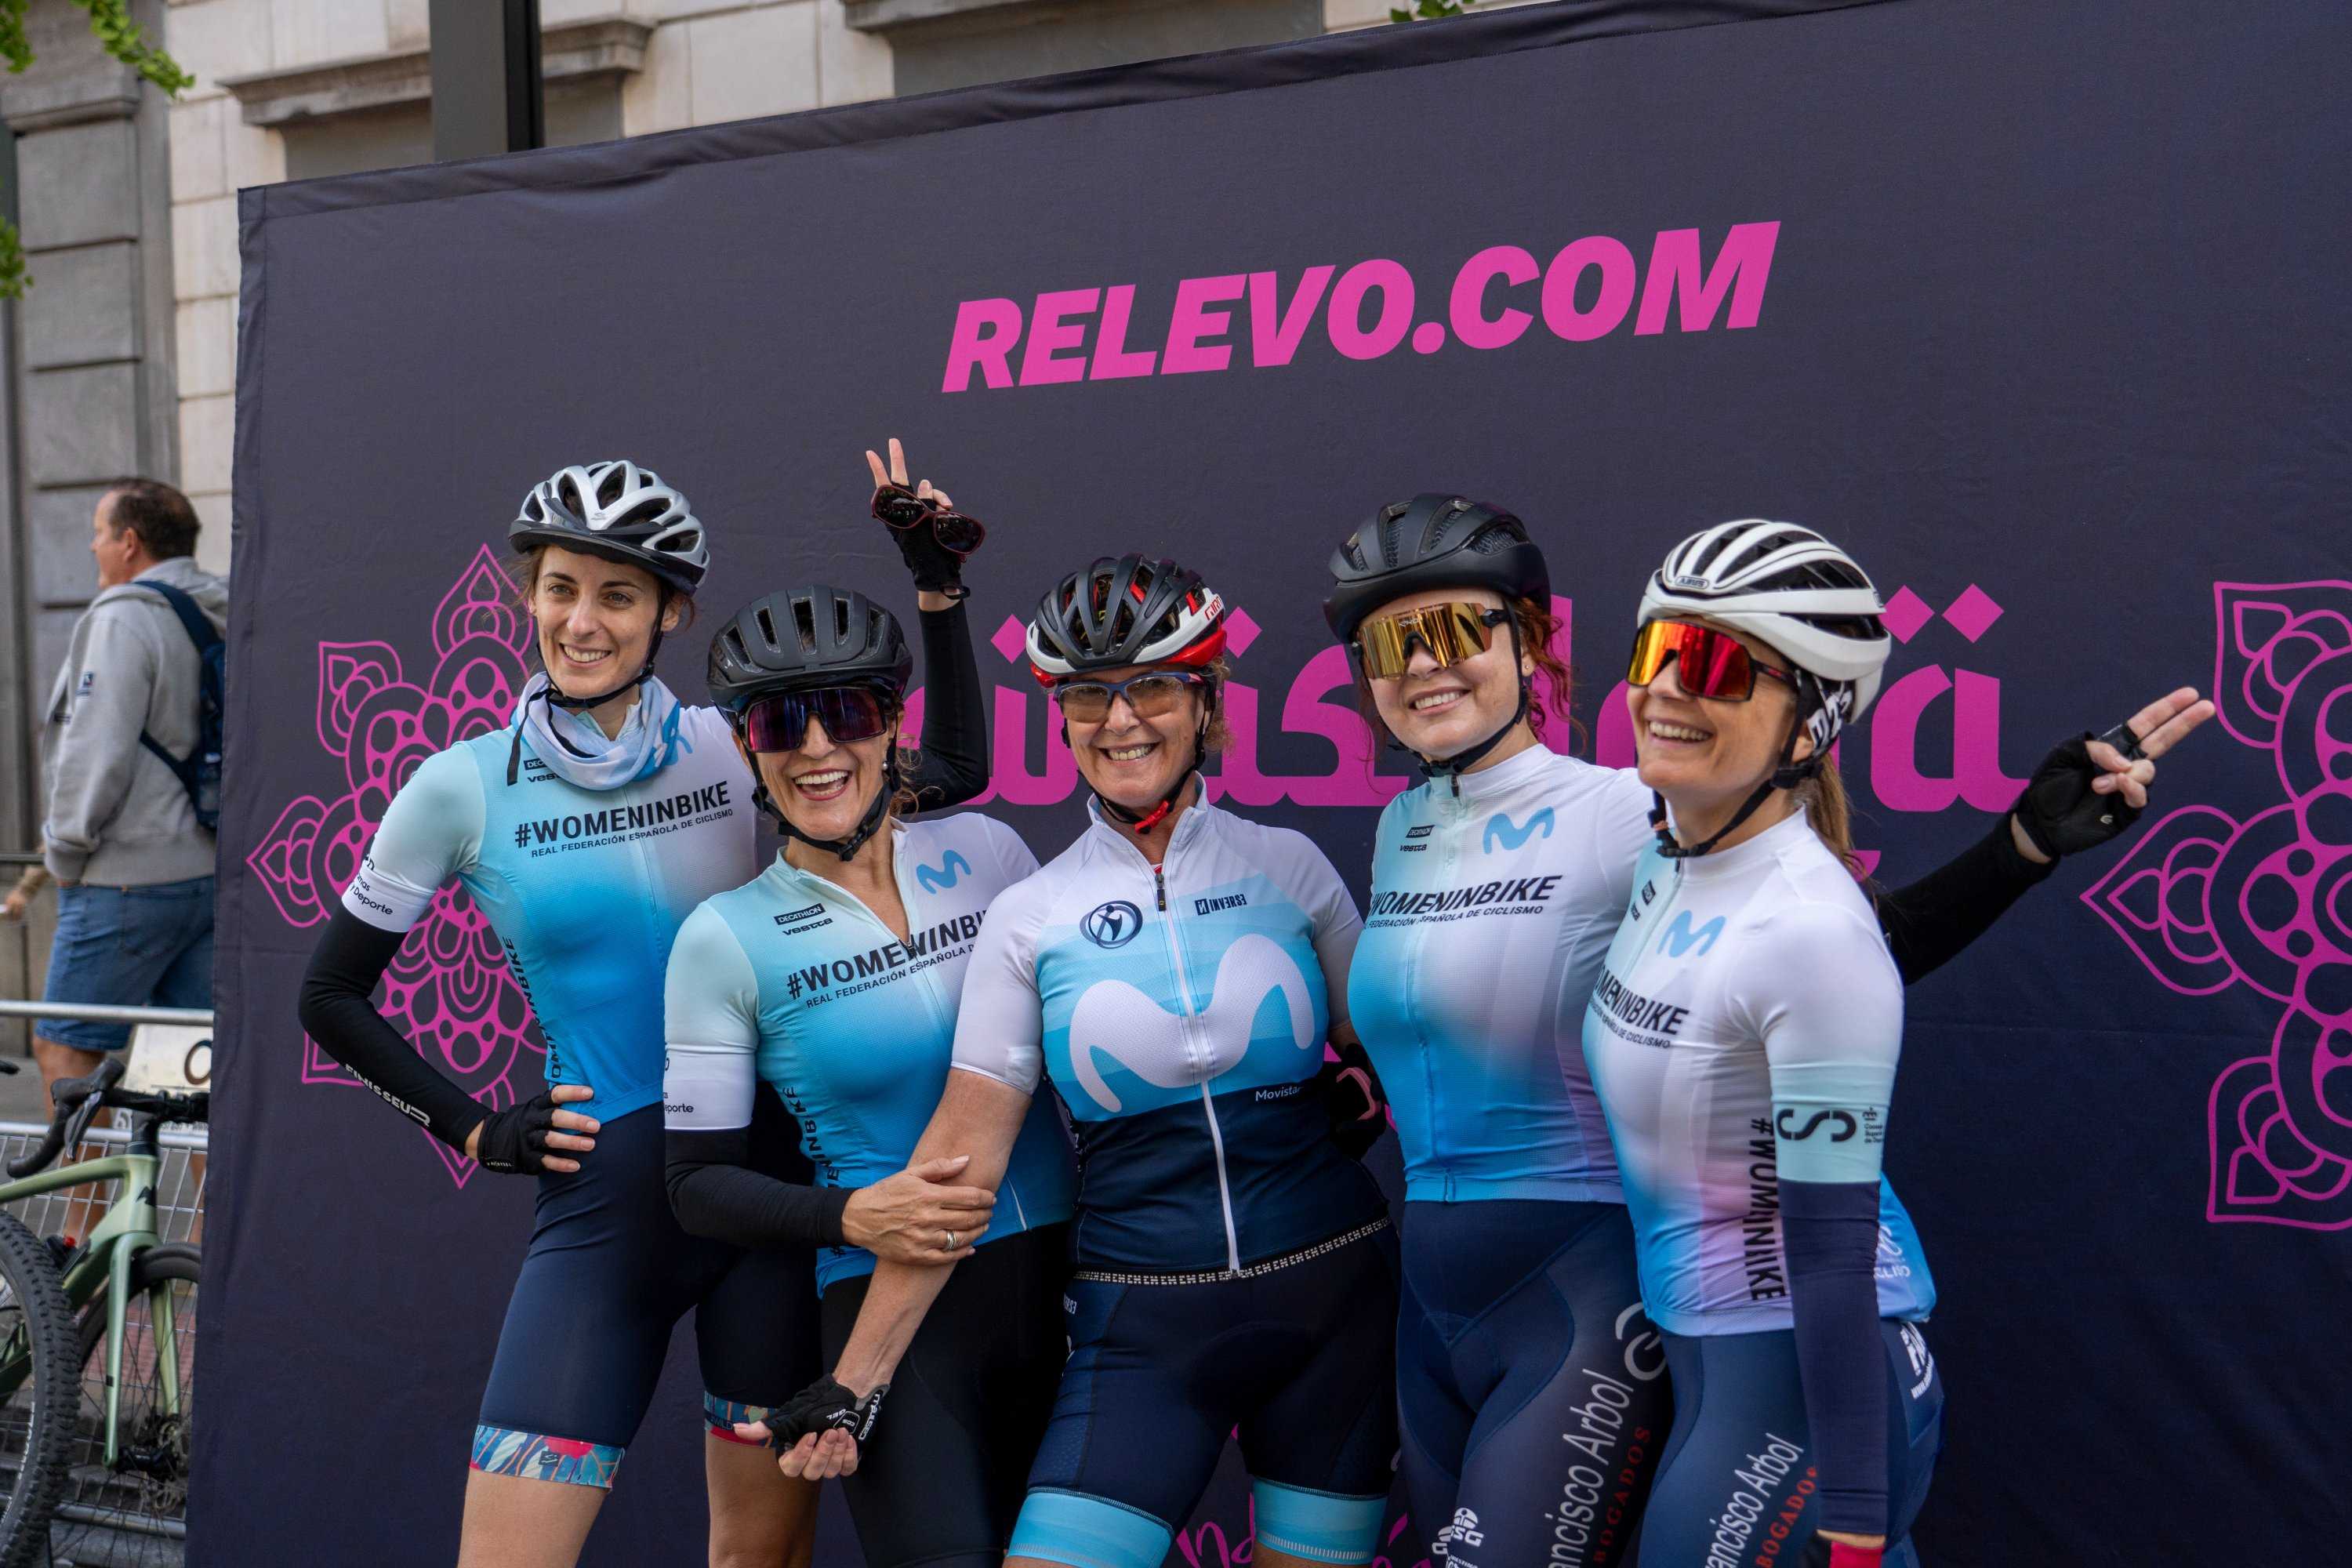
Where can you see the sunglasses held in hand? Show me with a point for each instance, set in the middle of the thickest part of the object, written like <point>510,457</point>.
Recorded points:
<point>902,508</point>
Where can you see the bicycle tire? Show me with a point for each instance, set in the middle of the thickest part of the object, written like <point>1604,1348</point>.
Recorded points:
<point>163,1263</point>
<point>48,1397</point>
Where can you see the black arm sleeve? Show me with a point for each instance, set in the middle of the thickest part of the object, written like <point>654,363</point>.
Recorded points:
<point>953,764</point>
<point>338,1012</point>
<point>1928,922</point>
<point>714,1191</point>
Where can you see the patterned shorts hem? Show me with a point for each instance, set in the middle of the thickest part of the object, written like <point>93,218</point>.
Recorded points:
<point>719,1416</point>
<point>534,1456</point>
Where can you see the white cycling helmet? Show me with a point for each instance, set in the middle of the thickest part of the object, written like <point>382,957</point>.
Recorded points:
<point>617,509</point>
<point>1790,587</point>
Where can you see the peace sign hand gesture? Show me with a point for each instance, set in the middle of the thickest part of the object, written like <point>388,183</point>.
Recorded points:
<point>932,536</point>
<point>2092,789</point>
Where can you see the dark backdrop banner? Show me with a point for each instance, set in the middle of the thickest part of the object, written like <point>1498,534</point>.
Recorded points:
<point>2027,301</point>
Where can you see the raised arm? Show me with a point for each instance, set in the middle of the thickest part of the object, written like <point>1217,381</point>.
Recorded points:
<point>2090,789</point>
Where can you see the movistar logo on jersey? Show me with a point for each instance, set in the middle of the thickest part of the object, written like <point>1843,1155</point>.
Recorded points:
<point>953,867</point>
<point>1679,937</point>
<point>1113,924</point>
<point>573,827</point>
<point>1138,1034</point>
<point>1501,829</point>
<point>919,950</point>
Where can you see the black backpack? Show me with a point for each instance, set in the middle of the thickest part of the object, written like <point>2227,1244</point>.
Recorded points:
<point>200,774</point>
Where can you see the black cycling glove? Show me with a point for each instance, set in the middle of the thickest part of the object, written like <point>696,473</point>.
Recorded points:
<point>822,1406</point>
<point>1353,1101</point>
<point>514,1141</point>
<point>2059,810</point>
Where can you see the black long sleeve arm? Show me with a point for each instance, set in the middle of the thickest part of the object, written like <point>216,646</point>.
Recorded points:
<point>1928,922</point>
<point>951,766</point>
<point>715,1191</point>
<point>338,1010</point>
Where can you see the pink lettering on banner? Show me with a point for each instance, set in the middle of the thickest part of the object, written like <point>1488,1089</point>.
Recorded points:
<point>1741,266</point>
<point>1194,322</point>
<point>985,331</point>
<point>1066,344</point>
<point>1051,332</point>
<point>1113,361</point>
<point>1467,309</point>
<point>2206,902</point>
<point>1566,277</point>
<point>1976,776</point>
<point>1346,316</point>
<point>1274,338</point>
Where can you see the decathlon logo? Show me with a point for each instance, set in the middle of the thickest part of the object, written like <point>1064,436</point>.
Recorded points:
<point>1113,924</point>
<point>1138,1034</point>
<point>950,869</point>
<point>1679,937</point>
<point>1500,827</point>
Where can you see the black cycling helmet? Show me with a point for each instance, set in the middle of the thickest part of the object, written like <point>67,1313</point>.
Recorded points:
<point>1127,610</point>
<point>1433,540</point>
<point>803,638</point>
<point>815,635</point>
<point>620,511</point>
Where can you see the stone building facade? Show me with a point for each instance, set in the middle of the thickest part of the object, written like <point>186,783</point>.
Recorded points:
<point>124,352</point>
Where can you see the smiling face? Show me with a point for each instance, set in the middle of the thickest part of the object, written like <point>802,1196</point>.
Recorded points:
<point>1438,713</point>
<point>596,619</point>
<point>824,786</point>
<point>1705,756</point>
<point>1132,761</point>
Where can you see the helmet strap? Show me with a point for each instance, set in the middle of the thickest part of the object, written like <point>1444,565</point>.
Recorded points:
<point>1451,768</point>
<point>877,810</point>
<point>1144,822</point>
<point>1787,772</point>
<point>555,698</point>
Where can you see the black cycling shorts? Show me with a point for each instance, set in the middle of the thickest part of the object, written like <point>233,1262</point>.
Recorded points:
<point>939,1482</point>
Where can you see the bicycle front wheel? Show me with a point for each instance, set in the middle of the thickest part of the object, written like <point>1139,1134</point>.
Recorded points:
<point>40,1388</point>
<point>149,1479</point>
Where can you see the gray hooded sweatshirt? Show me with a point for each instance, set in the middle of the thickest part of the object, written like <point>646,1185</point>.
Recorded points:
<point>118,816</point>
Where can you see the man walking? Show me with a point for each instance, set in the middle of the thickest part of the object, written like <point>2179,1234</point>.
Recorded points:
<point>134,866</point>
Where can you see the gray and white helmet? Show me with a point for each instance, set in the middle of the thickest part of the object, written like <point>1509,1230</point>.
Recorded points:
<point>619,511</point>
<point>1789,587</point>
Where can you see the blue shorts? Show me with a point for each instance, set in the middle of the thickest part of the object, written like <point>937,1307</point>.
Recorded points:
<point>1298,1361</point>
<point>1738,1482</point>
<point>607,1276</point>
<point>128,947</point>
<point>1531,1388</point>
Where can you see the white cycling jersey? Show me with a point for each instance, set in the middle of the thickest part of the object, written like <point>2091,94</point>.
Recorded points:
<point>1744,1031</point>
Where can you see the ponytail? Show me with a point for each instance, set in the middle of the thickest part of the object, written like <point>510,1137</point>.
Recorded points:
<point>1823,798</point>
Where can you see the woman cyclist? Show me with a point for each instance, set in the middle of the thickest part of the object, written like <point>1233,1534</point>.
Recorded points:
<point>1742,1040</point>
<point>1176,974</point>
<point>834,978</point>
<point>1532,1402</point>
<point>585,832</point>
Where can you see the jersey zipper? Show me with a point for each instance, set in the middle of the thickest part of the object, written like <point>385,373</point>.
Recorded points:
<point>1193,1053</point>
<point>1452,815</point>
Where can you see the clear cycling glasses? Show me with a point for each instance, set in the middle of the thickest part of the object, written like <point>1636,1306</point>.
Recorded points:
<point>779,722</point>
<point>1708,663</point>
<point>1452,632</point>
<point>903,509</point>
<point>1150,695</point>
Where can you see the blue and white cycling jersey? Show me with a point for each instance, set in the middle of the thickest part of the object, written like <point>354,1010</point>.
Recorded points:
<point>1744,1032</point>
<point>790,978</point>
<point>1491,909</point>
<point>1180,1011</point>
<point>584,887</point>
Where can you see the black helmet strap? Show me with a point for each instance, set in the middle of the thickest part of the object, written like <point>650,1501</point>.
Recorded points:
<point>877,810</point>
<point>1451,768</point>
<point>1788,772</point>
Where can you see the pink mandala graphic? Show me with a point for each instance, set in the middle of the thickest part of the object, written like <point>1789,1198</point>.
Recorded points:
<point>2209,902</point>
<point>448,989</point>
